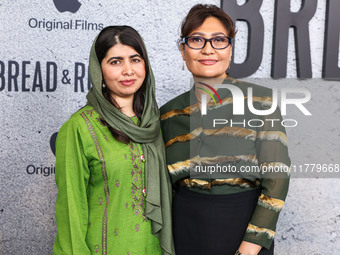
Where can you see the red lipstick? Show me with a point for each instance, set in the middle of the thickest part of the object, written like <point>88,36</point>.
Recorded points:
<point>128,82</point>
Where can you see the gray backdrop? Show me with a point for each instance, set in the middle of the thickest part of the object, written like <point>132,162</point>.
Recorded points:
<point>43,66</point>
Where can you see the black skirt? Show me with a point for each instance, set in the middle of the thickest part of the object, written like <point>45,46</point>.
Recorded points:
<point>212,224</point>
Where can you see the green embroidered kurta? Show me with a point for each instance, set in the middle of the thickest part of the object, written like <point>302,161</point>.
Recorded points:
<point>192,140</point>
<point>100,203</point>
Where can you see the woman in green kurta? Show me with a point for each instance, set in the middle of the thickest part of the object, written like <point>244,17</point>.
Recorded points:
<point>114,193</point>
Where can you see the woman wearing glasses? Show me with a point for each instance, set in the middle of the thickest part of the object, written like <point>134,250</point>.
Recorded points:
<point>214,213</point>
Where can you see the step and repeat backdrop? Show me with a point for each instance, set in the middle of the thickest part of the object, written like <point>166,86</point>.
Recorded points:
<point>44,49</point>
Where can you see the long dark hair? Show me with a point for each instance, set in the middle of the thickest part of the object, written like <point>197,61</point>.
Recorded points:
<point>109,37</point>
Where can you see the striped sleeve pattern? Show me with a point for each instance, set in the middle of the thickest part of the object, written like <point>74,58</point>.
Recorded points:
<point>272,153</point>
<point>190,142</point>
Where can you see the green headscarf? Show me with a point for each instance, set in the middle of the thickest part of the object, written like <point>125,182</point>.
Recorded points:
<point>157,180</point>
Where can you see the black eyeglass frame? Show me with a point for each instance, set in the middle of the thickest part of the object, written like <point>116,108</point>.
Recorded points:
<point>184,40</point>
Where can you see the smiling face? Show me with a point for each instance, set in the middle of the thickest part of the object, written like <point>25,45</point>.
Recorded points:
<point>208,62</point>
<point>123,71</point>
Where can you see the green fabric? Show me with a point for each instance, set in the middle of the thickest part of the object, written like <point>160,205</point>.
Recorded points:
<point>158,197</point>
<point>157,180</point>
<point>240,147</point>
<point>88,160</point>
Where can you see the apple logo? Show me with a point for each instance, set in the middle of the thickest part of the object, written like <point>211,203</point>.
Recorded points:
<point>52,142</point>
<point>67,5</point>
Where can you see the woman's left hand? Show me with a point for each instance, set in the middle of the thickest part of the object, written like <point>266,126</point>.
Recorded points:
<point>247,248</point>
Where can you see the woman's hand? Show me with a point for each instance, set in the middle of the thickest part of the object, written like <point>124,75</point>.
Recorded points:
<point>249,248</point>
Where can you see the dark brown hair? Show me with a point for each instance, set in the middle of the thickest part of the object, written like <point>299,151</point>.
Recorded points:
<point>197,15</point>
<point>109,37</point>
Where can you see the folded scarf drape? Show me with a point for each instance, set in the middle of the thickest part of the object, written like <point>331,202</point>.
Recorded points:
<point>157,181</point>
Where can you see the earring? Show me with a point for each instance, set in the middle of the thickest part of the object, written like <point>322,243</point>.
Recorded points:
<point>183,66</point>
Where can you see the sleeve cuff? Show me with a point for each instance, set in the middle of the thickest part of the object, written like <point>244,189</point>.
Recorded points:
<point>259,236</point>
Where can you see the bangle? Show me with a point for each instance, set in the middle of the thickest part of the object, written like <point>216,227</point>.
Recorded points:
<point>238,253</point>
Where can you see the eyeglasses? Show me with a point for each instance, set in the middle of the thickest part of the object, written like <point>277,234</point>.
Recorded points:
<point>198,42</point>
